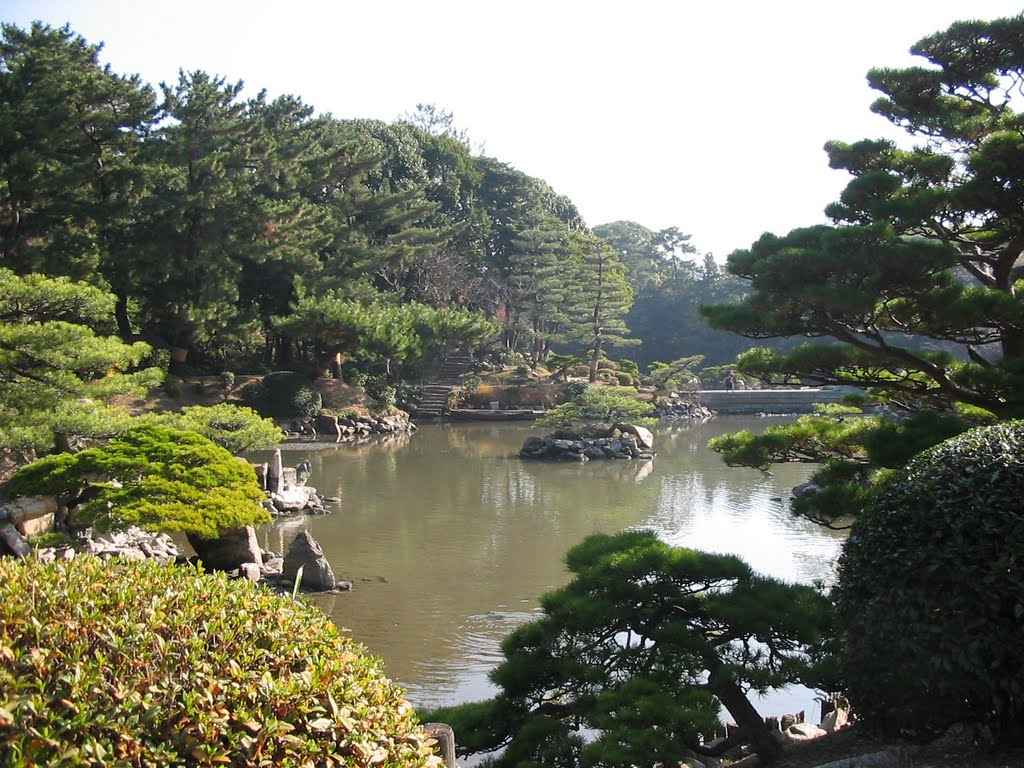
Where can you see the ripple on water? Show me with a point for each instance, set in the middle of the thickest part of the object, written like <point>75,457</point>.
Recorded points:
<point>447,681</point>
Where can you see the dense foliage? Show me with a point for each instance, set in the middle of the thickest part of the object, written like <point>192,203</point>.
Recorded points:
<point>603,404</point>
<point>122,663</point>
<point>669,285</point>
<point>931,590</point>
<point>917,285</point>
<point>850,449</point>
<point>253,232</point>
<point>643,646</point>
<point>284,394</point>
<point>230,426</point>
<point>927,244</point>
<point>57,373</point>
<point>155,477</point>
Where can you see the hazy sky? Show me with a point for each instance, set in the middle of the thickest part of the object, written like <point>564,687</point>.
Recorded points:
<point>709,116</point>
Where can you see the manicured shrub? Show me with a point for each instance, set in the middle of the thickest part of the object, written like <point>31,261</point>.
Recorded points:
<point>931,590</point>
<point>229,426</point>
<point>624,379</point>
<point>154,477</point>
<point>580,370</point>
<point>629,367</point>
<point>119,663</point>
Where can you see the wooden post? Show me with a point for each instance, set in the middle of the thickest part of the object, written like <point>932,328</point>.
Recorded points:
<point>445,737</point>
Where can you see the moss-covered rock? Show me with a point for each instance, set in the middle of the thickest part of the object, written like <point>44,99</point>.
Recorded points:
<point>122,663</point>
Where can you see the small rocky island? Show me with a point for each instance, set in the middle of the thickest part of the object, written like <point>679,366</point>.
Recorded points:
<point>620,441</point>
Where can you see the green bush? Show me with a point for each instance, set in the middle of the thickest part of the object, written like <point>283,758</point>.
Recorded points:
<point>599,404</point>
<point>931,590</point>
<point>624,379</point>
<point>154,477</point>
<point>285,394</point>
<point>229,426</point>
<point>122,663</point>
<point>580,370</point>
<point>174,386</point>
<point>629,367</point>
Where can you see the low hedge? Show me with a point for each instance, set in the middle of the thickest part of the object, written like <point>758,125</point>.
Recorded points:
<point>122,663</point>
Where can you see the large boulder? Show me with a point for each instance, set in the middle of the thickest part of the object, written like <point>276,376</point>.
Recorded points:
<point>307,554</point>
<point>644,436</point>
<point>230,550</point>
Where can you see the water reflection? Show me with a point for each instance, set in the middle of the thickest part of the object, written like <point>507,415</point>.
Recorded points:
<point>450,539</point>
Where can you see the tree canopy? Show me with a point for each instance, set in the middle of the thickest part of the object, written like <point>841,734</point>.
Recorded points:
<point>919,278</point>
<point>57,374</point>
<point>643,646</point>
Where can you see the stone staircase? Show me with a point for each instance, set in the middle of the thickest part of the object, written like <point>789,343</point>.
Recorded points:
<point>434,392</point>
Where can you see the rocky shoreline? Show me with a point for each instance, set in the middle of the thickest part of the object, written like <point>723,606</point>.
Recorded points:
<point>331,428</point>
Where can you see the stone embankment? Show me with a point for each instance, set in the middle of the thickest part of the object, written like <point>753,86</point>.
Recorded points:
<point>338,429</point>
<point>623,441</point>
<point>236,552</point>
<point>675,408</point>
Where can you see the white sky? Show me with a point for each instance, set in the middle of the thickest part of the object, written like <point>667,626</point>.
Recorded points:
<point>709,116</point>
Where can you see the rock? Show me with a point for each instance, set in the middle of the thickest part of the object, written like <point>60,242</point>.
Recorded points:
<point>836,719</point>
<point>804,732</point>
<point>291,500</point>
<point>644,436</point>
<point>275,473</point>
<point>12,542</point>
<point>806,489</point>
<point>250,571</point>
<point>261,474</point>
<point>307,554</point>
<point>328,428</point>
<point>228,551</point>
<point>302,471</point>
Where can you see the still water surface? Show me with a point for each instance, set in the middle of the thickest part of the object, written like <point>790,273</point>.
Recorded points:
<point>450,538</point>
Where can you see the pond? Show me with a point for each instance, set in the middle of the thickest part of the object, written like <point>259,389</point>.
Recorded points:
<point>450,538</point>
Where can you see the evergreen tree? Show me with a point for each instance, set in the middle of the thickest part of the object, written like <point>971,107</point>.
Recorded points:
<point>70,131</point>
<point>919,281</point>
<point>56,373</point>
<point>641,648</point>
<point>599,299</point>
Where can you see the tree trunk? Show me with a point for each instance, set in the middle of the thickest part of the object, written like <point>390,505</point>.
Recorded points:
<point>124,326</point>
<point>593,360</point>
<point>746,717</point>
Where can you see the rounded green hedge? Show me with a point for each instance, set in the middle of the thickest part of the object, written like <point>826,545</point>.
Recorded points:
<point>931,590</point>
<point>122,663</point>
